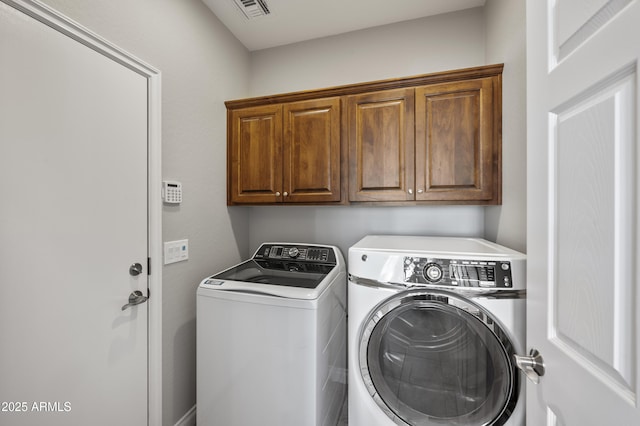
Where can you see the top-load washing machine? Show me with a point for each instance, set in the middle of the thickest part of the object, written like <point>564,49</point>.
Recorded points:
<point>434,324</point>
<point>271,339</point>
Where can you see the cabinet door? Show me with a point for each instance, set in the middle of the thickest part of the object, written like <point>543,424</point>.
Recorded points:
<point>255,160</point>
<point>381,145</point>
<point>458,141</point>
<point>311,159</point>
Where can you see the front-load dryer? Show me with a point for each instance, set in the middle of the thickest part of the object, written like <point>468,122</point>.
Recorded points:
<point>434,324</point>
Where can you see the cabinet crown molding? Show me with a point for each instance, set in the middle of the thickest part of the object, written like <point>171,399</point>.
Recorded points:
<point>354,89</point>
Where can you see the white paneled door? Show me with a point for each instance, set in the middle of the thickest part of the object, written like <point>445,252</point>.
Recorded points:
<point>582,238</point>
<point>73,221</point>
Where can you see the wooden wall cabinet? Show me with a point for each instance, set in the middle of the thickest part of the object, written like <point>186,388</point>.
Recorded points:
<point>429,139</point>
<point>255,154</point>
<point>452,156</point>
<point>285,153</point>
<point>381,145</point>
<point>458,142</point>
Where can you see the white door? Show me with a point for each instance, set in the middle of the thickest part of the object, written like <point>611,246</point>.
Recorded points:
<point>582,239</point>
<point>73,218</point>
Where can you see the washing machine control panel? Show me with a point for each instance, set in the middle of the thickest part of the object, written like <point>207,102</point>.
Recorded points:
<point>317,254</point>
<point>458,272</point>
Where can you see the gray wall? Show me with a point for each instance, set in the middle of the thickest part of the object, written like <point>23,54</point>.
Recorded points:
<point>440,43</point>
<point>202,65</point>
<point>345,225</point>
<point>444,42</point>
<point>506,43</point>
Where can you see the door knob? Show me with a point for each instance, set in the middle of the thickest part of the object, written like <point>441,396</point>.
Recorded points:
<point>532,365</point>
<point>135,269</point>
<point>135,298</point>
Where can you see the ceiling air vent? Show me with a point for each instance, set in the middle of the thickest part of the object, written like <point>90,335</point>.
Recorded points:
<point>253,8</point>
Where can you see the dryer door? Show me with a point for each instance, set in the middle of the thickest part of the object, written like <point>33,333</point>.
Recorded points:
<point>431,357</point>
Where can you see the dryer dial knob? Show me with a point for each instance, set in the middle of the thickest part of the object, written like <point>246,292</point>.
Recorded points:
<point>433,272</point>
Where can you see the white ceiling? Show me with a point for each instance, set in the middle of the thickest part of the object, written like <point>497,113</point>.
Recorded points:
<point>292,21</point>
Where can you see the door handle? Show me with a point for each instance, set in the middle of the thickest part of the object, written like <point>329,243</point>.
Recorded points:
<point>532,366</point>
<point>135,298</point>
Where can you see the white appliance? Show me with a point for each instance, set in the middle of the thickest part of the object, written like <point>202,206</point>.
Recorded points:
<point>434,324</point>
<point>271,339</point>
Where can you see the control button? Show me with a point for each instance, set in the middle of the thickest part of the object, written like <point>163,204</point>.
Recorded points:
<point>505,266</point>
<point>294,252</point>
<point>433,272</point>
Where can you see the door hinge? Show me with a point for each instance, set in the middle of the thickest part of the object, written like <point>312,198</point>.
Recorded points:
<point>148,266</point>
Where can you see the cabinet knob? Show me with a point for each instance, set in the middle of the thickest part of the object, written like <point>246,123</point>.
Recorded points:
<point>410,191</point>
<point>285,193</point>
<point>420,191</point>
<point>277,193</point>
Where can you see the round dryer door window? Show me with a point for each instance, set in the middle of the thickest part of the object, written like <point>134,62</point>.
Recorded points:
<point>436,358</point>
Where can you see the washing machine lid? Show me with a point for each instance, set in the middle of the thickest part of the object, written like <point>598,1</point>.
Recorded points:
<point>433,357</point>
<point>287,270</point>
<point>277,273</point>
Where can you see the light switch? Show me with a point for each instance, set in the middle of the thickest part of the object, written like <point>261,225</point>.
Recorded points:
<point>176,251</point>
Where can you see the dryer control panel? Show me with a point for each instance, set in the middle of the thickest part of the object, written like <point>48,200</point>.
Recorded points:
<point>458,272</point>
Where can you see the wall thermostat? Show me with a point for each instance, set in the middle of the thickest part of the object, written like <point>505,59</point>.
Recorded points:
<point>171,192</point>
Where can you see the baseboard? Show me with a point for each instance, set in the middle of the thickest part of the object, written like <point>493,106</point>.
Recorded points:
<point>189,418</point>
